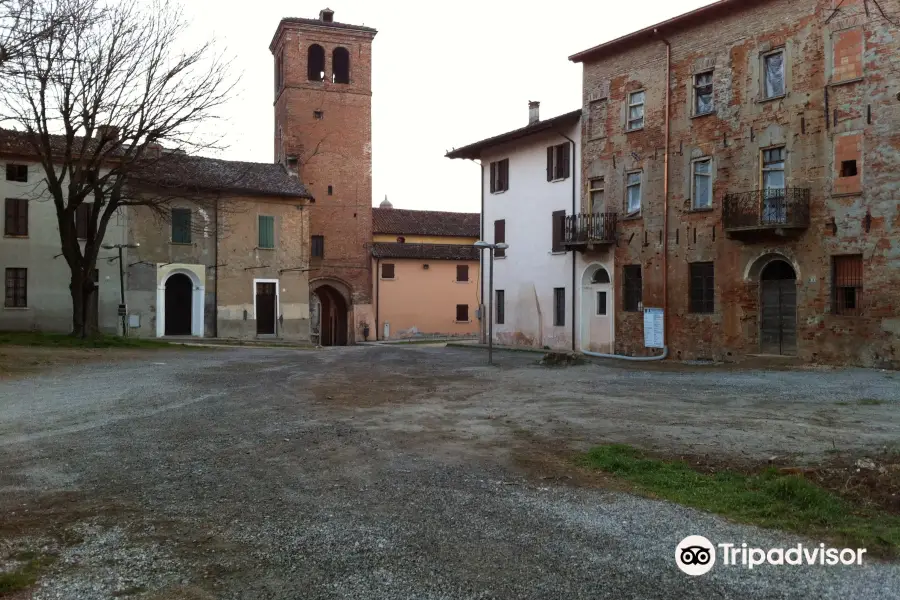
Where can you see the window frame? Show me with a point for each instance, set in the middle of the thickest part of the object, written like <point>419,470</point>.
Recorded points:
<point>640,186</point>
<point>632,294</point>
<point>592,189</point>
<point>605,303</point>
<point>466,319</point>
<point>393,271</point>
<point>500,253</point>
<point>695,95</point>
<point>500,307</point>
<point>462,269</point>
<point>260,219</point>
<point>15,223</point>
<point>558,232</point>
<point>708,175</point>
<point>83,220</point>
<point>177,228</point>
<point>631,104</point>
<point>499,174</point>
<point>317,246</point>
<point>12,171</point>
<point>763,169</point>
<point>702,299</point>
<point>837,297</point>
<point>14,292</point>
<point>559,307</point>
<point>764,95</point>
<point>559,162</point>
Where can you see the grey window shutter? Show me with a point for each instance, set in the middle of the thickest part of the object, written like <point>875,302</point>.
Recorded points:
<point>493,177</point>
<point>550,163</point>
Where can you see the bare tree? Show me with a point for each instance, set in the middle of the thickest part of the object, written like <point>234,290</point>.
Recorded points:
<point>95,101</point>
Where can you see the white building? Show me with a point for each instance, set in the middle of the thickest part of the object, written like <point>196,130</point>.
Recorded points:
<point>559,262</point>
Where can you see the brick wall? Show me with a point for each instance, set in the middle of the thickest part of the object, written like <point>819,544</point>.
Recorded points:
<point>819,123</point>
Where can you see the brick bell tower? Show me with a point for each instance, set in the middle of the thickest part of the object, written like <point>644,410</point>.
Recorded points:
<point>323,130</point>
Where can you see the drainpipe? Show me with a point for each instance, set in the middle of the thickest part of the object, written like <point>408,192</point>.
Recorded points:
<point>377,302</point>
<point>574,164</point>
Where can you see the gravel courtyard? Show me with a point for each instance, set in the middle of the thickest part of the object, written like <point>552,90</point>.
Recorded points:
<point>408,472</point>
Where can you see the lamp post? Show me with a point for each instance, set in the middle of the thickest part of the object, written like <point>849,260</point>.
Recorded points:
<point>121,278</point>
<point>481,245</point>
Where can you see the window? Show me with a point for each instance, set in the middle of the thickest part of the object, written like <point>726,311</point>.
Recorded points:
<point>847,284</point>
<point>633,192</point>
<point>559,307</point>
<point>558,162</point>
<point>773,168</point>
<point>600,276</point>
<point>340,65</point>
<point>266,232</point>
<point>500,176</point>
<point>318,115</point>
<point>601,304</point>
<point>559,231</point>
<point>701,183</point>
<point>181,226</point>
<point>703,94</point>
<point>598,119</point>
<point>847,57</point>
<point>848,168</point>
<point>387,271</point>
<point>16,288</point>
<point>462,313</point>
<point>83,220</point>
<point>16,217</point>
<point>330,190</point>
<point>500,237</point>
<point>16,172</point>
<point>315,63</point>
<point>632,288</point>
<point>703,292</point>
<point>462,272</point>
<point>317,246</point>
<point>500,307</point>
<point>773,73</point>
<point>635,110</point>
<point>279,71</point>
<point>598,201</point>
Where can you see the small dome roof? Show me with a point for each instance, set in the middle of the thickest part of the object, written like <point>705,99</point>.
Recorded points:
<point>386,204</point>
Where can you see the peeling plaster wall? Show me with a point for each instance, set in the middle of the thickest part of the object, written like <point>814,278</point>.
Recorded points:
<point>815,137</point>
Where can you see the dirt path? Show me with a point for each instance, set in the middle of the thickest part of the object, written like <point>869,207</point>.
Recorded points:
<point>410,472</point>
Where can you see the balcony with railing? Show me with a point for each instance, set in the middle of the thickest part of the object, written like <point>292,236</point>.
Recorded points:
<point>778,211</point>
<point>587,230</point>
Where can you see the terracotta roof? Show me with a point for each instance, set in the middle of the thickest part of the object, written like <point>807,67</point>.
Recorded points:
<point>699,16</point>
<point>17,142</point>
<point>432,251</point>
<point>197,173</point>
<point>474,150</point>
<point>425,222</point>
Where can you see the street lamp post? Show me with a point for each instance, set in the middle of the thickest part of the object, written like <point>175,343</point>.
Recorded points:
<point>481,245</point>
<point>121,278</point>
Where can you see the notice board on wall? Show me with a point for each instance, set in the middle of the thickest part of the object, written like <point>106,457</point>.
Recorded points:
<point>654,327</point>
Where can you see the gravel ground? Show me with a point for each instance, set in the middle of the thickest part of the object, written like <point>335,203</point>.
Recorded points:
<point>401,472</point>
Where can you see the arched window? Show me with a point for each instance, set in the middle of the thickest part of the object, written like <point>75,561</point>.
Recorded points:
<point>315,63</point>
<point>340,65</point>
<point>600,276</point>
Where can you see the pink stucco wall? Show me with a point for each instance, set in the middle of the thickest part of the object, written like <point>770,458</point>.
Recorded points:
<point>423,301</point>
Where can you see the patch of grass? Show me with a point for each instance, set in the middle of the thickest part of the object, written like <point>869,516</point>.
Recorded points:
<point>25,576</point>
<point>61,340</point>
<point>768,499</point>
<point>870,402</point>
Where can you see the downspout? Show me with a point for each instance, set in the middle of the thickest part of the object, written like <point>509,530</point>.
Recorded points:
<point>665,352</point>
<point>574,164</point>
<point>377,298</point>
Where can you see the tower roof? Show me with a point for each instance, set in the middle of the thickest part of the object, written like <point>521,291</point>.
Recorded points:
<point>321,22</point>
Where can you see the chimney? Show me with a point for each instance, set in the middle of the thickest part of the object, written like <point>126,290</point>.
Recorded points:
<point>326,15</point>
<point>107,133</point>
<point>534,112</point>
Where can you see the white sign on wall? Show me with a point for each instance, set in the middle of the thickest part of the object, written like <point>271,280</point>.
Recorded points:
<point>654,327</point>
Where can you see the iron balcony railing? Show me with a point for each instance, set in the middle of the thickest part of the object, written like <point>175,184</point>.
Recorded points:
<point>767,209</point>
<point>590,228</point>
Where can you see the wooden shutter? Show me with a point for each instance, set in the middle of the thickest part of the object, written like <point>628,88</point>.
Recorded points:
<point>83,219</point>
<point>387,271</point>
<point>462,312</point>
<point>559,223</point>
<point>181,225</point>
<point>462,272</point>
<point>550,172</point>
<point>500,236</point>
<point>493,177</point>
<point>504,174</point>
<point>10,219</point>
<point>266,232</point>
<point>500,309</point>
<point>565,160</point>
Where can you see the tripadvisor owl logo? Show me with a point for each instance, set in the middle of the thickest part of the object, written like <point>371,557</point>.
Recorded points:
<point>695,555</point>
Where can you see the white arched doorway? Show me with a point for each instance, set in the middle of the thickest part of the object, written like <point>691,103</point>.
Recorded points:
<point>597,309</point>
<point>173,282</point>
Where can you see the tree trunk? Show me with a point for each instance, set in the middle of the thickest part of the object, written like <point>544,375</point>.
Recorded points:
<point>83,291</point>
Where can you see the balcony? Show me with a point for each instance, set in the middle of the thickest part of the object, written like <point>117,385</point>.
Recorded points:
<point>763,212</point>
<point>585,231</point>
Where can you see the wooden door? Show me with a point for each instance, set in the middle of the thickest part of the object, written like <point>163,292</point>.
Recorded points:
<point>265,308</point>
<point>778,325</point>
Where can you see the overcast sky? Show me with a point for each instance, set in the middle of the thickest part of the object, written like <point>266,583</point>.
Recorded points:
<point>444,75</point>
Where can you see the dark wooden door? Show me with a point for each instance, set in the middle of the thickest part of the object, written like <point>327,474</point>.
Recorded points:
<point>179,296</point>
<point>265,308</point>
<point>778,328</point>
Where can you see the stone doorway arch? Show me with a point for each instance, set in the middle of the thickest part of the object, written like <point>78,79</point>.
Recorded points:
<point>330,314</point>
<point>777,278</point>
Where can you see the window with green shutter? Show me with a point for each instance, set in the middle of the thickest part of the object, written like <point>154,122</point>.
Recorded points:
<point>266,232</point>
<point>181,226</point>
